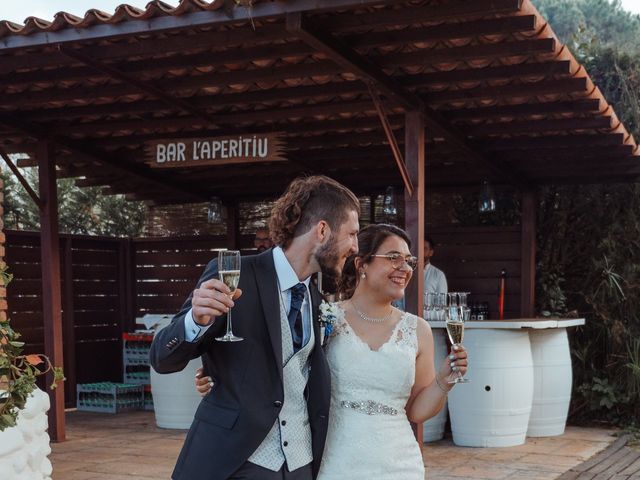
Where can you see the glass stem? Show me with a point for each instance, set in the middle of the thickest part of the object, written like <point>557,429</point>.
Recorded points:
<point>229,329</point>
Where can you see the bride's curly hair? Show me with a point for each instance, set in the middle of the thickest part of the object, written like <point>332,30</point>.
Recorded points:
<point>306,201</point>
<point>369,240</point>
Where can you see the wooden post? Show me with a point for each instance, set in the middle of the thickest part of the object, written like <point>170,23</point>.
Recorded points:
<point>414,216</point>
<point>51,292</point>
<point>68,321</point>
<point>528,255</point>
<point>126,290</point>
<point>414,206</point>
<point>131,286</point>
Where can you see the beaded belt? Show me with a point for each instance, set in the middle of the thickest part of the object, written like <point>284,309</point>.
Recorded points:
<point>369,407</point>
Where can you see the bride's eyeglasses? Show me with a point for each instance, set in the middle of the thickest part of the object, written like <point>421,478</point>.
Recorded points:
<point>397,260</point>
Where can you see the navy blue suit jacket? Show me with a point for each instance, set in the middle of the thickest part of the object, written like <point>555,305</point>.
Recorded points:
<point>236,416</point>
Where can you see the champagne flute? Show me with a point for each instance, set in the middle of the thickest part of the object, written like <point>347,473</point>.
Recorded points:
<point>455,317</point>
<point>429,305</point>
<point>229,272</point>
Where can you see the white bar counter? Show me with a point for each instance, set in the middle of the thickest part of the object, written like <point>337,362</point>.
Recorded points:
<point>517,323</point>
<point>520,373</point>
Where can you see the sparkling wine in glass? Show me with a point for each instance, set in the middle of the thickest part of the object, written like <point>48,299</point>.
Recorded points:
<point>229,272</point>
<point>455,318</point>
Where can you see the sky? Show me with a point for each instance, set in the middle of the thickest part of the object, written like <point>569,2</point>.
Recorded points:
<point>18,10</point>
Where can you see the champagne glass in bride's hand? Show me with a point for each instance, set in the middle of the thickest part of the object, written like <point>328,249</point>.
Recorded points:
<point>455,317</point>
<point>229,272</point>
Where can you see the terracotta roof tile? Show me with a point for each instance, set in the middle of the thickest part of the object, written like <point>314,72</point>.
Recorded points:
<point>123,12</point>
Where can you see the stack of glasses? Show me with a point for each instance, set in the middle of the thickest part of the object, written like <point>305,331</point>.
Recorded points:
<point>436,305</point>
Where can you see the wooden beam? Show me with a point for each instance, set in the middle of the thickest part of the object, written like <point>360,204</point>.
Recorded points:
<point>51,291</point>
<point>429,56</point>
<point>523,110</point>
<point>444,31</point>
<point>543,87</point>
<point>23,181</point>
<point>429,13</point>
<point>540,126</point>
<point>597,164</point>
<point>578,141</point>
<point>542,69</point>
<point>391,139</point>
<point>528,255</point>
<point>564,152</point>
<point>68,320</point>
<point>351,61</point>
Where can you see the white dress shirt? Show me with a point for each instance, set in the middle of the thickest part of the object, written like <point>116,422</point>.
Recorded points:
<point>434,280</point>
<point>287,279</point>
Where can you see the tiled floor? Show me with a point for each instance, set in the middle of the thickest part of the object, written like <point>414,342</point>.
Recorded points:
<point>125,446</point>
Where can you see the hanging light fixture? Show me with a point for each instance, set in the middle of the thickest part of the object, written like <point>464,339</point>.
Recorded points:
<point>389,207</point>
<point>486,198</point>
<point>216,213</point>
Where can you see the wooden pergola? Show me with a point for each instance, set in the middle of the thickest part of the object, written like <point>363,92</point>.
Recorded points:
<point>424,95</point>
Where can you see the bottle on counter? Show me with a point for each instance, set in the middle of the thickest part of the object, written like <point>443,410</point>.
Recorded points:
<point>480,313</point>
<point>485,311</point>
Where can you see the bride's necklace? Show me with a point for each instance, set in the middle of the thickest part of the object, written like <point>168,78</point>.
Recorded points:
<point>367,318</point>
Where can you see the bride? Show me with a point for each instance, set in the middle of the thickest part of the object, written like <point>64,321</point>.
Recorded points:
<point>382,366</point>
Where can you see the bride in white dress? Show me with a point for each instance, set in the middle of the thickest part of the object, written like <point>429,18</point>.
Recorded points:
<point>382,367</point>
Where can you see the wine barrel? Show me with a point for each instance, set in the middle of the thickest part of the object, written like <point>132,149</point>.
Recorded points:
<point>552,379</point>
<point>433,429</point>
<point>493,409</point>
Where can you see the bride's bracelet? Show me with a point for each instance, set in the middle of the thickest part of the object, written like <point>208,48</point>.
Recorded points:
<point>441,387</point>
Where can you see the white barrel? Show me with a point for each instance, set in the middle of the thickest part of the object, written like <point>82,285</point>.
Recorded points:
<point>552,379</point>
<point>493,409</point>
<point>433,429</point>
<point>175,398</point>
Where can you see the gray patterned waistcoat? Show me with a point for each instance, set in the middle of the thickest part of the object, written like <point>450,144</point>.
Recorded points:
<point>290,437</point>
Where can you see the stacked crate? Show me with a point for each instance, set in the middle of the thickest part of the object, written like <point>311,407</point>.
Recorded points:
<point>109,397</point>
<point>135,357</point>
<point>135,361</point>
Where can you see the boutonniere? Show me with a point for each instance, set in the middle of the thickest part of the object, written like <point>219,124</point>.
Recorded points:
<point>328,316</point>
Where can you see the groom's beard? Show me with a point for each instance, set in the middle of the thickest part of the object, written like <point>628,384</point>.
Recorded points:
<point>328,257</point>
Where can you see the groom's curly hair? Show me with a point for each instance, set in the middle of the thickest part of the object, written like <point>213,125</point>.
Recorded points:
<point>306,201</point>
<point>369,240</point>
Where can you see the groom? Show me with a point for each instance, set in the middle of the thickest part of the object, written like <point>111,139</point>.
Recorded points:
<point>266,415</point>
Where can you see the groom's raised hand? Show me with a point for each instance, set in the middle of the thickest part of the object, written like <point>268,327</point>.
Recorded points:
<point>211,300</point>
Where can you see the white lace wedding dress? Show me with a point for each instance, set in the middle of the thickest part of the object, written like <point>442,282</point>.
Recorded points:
<point>369,435</point>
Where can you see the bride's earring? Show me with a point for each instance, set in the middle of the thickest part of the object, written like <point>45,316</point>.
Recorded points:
<point>363,275</point>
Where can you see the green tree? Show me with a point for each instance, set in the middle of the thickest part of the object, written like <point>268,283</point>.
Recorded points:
<point>579,21</point>
<point>84,211</point>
